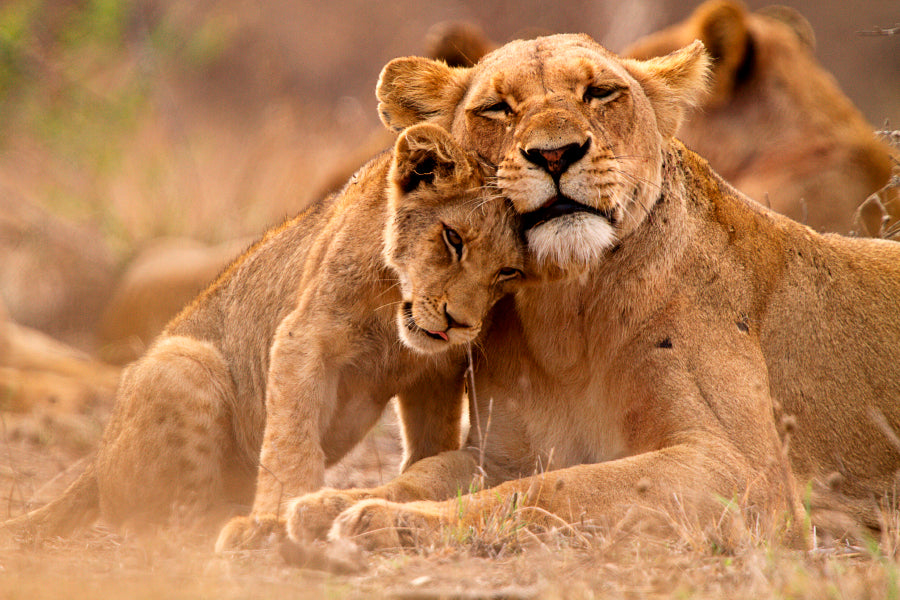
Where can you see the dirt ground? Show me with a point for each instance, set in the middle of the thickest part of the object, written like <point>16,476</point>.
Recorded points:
<point>40,454</point>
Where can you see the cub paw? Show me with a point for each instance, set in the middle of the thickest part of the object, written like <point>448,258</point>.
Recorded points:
<point>310,516</point>
<point>251,533</point>
<point>379,525</point>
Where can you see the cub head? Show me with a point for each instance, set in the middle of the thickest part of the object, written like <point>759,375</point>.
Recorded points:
<point>453,241</point>
<point>577,133</point>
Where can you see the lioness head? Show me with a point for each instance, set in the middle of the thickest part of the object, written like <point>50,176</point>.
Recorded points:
<point>452,240</point>
<point>575,131</point>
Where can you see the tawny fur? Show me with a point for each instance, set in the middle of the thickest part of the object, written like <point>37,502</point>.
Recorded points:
<point>283,364</point>
<point>659,375</point>
<point>157,283</point>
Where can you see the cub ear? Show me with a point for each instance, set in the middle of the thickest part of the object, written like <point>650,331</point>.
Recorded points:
<point>673,83</point>
<point>722,27</point>
<point>411,90</point>
<point>423,154</point>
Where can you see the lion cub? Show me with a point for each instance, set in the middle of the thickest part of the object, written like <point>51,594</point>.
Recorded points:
<point>284,363</point>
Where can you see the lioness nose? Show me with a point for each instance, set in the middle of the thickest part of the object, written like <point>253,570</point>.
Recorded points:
<point>555,161</point>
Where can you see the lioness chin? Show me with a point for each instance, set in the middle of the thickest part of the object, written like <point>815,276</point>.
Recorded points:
<point>284,363</point>
<point>648,376</point>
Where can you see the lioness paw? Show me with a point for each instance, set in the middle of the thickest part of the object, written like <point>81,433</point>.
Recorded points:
<point>250,533</point>
<point>310,516</point>
<point>378,525</point>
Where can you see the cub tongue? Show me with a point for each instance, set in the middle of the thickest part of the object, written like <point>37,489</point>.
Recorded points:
<point>440,334</point>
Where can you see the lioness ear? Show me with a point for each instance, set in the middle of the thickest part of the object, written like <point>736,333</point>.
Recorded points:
<point>673,83</point>
<point>722,27</point>
<point>422,154</point>
<point>412,90</point>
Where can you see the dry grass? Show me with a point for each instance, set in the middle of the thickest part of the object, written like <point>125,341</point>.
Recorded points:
<point>555,564</point>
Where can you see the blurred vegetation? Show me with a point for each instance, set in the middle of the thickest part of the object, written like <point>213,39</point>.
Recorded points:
<point>63,87</point>
<point>76,80</point>
<point>55,69</point>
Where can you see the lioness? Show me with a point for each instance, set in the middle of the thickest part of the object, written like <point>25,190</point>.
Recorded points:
<point>288,359</point>
<point>688,319</point>
<point>776,125</point>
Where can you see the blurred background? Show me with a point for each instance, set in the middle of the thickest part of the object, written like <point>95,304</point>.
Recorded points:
<point>123,122</point>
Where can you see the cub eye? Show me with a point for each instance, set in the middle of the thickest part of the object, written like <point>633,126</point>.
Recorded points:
<point>454,241</point>
<point>603,94</point>
<point>507,273</point>
<point>499,110</point>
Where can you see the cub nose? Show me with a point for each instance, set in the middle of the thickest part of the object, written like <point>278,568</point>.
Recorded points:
<point>452,322</point>
<point>557,160</point>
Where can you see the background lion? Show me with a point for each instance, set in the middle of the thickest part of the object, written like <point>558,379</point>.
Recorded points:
<point>775,124</point>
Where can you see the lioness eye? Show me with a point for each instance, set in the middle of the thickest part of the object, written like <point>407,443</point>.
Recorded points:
<point>604,94</point>
<point>454,241</point>
<point>507,273</point>
<point>497,111</point>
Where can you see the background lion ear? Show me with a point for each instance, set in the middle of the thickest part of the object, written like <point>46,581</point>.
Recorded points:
<point>423,153</point>
<point>457,43</point>
<point>722,27</point>
<point>673,83</point>
<point>413,89</point>
<point>793,19</point>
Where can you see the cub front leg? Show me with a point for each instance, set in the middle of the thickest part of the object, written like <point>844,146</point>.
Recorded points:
<point>300,396</point>
<point>430,414</point>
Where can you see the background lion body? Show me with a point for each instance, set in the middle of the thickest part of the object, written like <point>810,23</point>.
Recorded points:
<point>776,125</point>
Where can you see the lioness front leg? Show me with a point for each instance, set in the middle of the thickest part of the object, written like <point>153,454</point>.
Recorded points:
<point>440,477</point>
<point>657,488</point>
<point>300,396</point>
